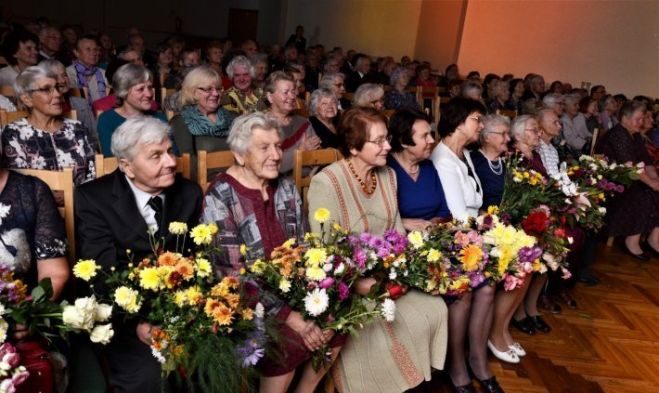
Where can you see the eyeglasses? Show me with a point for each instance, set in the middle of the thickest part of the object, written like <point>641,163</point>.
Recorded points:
<point>477,119</point>
<point>498,133</point>
<point>381,141</point>
<point>211,89</point>
<point>533,130</point>
<point>50,90</point>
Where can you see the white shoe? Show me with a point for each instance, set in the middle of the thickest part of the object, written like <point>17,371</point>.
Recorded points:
<point>517,348</point>
<point>509,356</point>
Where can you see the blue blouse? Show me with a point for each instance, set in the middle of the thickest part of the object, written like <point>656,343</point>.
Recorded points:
<point>491,182</point>
<point>423,198</point>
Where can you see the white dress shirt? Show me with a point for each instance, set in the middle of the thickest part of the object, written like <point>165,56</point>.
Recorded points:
<point>142,199</point>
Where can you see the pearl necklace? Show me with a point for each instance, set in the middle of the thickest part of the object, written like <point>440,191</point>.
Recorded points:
<point>369,190</point>
<point>496,169</point>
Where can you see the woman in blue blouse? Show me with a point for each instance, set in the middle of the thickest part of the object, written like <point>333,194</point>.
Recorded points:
<point>420,195</point>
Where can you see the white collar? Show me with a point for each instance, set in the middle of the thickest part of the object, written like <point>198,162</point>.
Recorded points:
<point>142,197</point>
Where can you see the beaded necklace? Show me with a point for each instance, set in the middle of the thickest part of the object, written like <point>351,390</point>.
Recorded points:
<point>369,190</point>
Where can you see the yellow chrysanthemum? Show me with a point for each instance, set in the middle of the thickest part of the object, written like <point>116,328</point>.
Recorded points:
<point>202,235</point>
<point>461,283</point>
<point>258,267</point>
<point>243,250</point>
<point>231,282</point>
<point>178,228</point>
<point>220,290</point>
<point>434,255</point>
<point>321,215</point>
<point>150,278</point>
<point>470,257</point>
<point>211,304</point>
<point>203,267</point>
<point>233,300</point>
<point>127,299</point>
<point>316,273</point>
<point>289,243</point>
<point>416,239</point>
<point>180,298</point>
<point>185,269</point>
<point>315,256</point>
<point>213,228</point>
<point>248,314</point>
<point>493,209</point>
<point>194,295</point>
<point>85,269</point>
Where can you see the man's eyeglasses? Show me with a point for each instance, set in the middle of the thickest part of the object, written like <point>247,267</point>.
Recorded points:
<point>381,141</point>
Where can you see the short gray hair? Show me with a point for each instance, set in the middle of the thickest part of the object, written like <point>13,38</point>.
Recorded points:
<point>318,95</point>
<point>127,76</point>
<point>552,98</point>
<point>244,126</point>
<point>366,93</point>
<point>491,121</point>
<point>137,131</point>
<point>518,126</point>
<point>572,98</point>
<point>396,74</point>
<point>28,77</point>
<point>243,61</point>
<point>327,81</point>
<point>51,64</point>
<point>471,85</point>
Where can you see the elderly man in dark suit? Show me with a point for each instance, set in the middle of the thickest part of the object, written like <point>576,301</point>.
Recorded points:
<point>115,213</point>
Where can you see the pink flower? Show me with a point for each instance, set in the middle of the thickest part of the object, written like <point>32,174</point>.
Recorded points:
<point>12,359</point>
<point>344,291</point>
<point>7,385</point>
<point>511,282</point>
<point>20,377</point>
<point>566,273</point>
<point>326,283</point>
<point>461,239</point>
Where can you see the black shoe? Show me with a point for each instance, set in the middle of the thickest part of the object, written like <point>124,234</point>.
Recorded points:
<point>546,303</point>
<point>652,251</point>
<point>491,385</point>
<point>588,279</point>
<point>539,324</point>
<point>524,325</point>
<point>468,388</point>
<point>643,257</point>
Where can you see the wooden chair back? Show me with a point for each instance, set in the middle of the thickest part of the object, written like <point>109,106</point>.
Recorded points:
<point>72,114</point>
<point>8,117</point>
<point>106,165</point>
<point>170,115</point>
<point>8,91</point>
<point>75,92</point>
<point>164,93</point>
<point>509,113</point>
<point>313,158</point>
<point>593,142</point>
<point>60,181</point>
<point>211,161</point>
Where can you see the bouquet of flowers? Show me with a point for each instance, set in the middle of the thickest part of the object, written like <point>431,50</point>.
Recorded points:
<point>12,374</point>
<point>318,278</point>
<point>552,238</point>
<point>203,327</point>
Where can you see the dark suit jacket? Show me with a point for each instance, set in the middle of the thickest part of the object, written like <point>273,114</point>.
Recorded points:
<point>108,221</point>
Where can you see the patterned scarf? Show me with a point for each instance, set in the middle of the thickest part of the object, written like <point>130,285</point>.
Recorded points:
<point>200,125</point>
<point>83,72</point>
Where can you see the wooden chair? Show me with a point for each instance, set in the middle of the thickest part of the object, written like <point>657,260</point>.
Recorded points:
<point>211,161</point>
<point>509,113</point>
<point>61,181</point>
<point>8,117</point>
<point>425,93</point>
<point>312,158</point>
<point>593,142</point>
<point>170,115</point>
<point>75,92</point>
<point>72,114</point>
<point>164,93</point>
<point>106,165</point>
<point>8,91</point>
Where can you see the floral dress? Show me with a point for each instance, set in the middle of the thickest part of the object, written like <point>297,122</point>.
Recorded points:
<point>25,146</point>
<point>31,228</point>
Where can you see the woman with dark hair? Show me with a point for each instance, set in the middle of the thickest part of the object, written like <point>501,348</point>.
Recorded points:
<point>360,193</point>
<point>452,73</point>
<point>20,49</point>
<point>588,106</point>
<point>421,198</point>
<point>423,77</point>
<point>516,87</point>
<point>470,314</point>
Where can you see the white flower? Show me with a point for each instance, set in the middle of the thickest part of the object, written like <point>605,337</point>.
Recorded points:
<point>316,302</point>
<point>327,267</point>
<point>81,315</point>
<point>284,285</point>
<point>103,312</point>
<point>388,310</point>
<point>258,310</point>
<point>3,330</point>
<point>340,269</point>
<point>4,210</point>
<point>392,274</point>
<point>7,386</point>
<point>102,334</point>
<point>156,354</point>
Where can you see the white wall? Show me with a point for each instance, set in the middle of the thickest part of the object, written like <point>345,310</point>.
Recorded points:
<point>376,27</point>
<point>615,43</point>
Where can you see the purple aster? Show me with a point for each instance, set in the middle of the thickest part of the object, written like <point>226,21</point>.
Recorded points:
<point>252,349</point>
<point>529,254</point>
<point>344,291</point>
<point>359,257</point>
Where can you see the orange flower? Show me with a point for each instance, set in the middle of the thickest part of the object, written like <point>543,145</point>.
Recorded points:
<point>173,279</point>
<point>184,268</point>
<point>233,300</point>
<point>470,257</point>
<point>168,259</point>
<point>248,314</point>
<point>220,290</point>
<point>223,315</point>
<point>211,305</point>
<point>231,282</point>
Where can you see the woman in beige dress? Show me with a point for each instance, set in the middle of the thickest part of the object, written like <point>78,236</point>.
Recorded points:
<point>360,193</point>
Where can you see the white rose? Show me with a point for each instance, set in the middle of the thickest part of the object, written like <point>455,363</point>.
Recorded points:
<point>103,312</point>
<point>102,334</point>
<point>339,269</point>
<point>77,319</point>
<point>259,311</point>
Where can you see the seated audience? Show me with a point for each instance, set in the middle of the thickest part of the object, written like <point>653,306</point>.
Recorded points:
<point>44,139</point>
<point>535,88</point>
<point>323,108</point>
<point>360,193</point>
<point>608,109</point>
<point>635,211</point>
<point>50,43</point>
<point>360,74</point>
<point>213,56</point>
<point>588,106</point>
<point>6,104</point>
<point>575,130</point>
<point>516,93</point>
<point>260,62</point>
<point>369,95</point>
<point>202,123</point>
<point>555,102</point>
<point>116,213</point>
<point>424,78</point>
<point>280,95</point>
<point>133,90</point>
<point>20,50</point>
<point>421,199</point>
<point>398,97</point>
<point>488,164</point>
<point>242,97</point>
<point>500,95</point>
<point>84,72</point>
<point>187,60</point>
<point>473,90</point>
<point>336,83</point>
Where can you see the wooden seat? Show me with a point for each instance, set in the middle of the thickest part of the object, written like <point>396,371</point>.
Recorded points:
<point>8,91</point>
<point>106,165</point>
<point>593,142</point>
<point>75,92</point>
<point>8,117</point>
<point>211,161</point>
<point>60,181</point>
<point>164,93</point>
<point>507,112</point>
<point>313,158</point>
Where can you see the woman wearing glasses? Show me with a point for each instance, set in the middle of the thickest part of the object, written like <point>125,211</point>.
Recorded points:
<point>44,139</point>
<point>369,95</point>
<point>470,315</point>
<point>133,90</point>
<point>202,124</point>
<point>360,193</point>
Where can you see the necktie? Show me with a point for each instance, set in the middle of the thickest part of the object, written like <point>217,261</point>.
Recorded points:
<point>156,204</point>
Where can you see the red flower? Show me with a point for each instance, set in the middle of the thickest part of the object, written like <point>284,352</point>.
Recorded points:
<point>395,290</point>
<point>535,223</point>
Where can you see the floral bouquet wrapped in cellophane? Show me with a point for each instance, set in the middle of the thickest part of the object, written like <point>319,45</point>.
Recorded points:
<point>202,327</point>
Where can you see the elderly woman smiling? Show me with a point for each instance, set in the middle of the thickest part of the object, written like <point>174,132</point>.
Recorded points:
<point>397,97</point>
<point>336,83</point>
<point>45,140</point>
<point>369,95</point>
<point>202,123</point>
<point>323,109</point>
<point>133,89</point>
<point>254,206</point>
<point>242,97</point>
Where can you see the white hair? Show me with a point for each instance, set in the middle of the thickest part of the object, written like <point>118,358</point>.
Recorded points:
<point>244,126</point>
<point>128,138</point>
